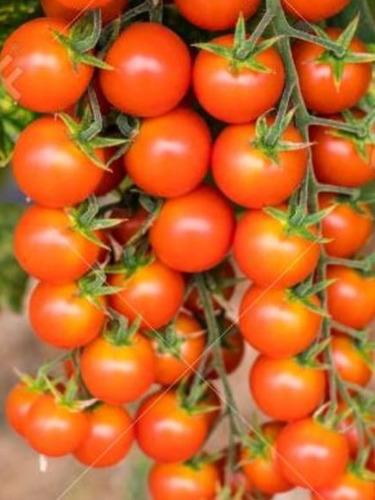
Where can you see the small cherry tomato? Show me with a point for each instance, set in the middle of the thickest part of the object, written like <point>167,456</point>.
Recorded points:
<point>349,487</point>
<point>111,178</point>
<point>71,9</point>
<point>348,360</point>
<point>133,220</point>
<point>314,11</point>
<point>18,404</point>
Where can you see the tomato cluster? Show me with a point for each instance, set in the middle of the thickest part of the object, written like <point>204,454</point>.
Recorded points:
<point>137,244</point>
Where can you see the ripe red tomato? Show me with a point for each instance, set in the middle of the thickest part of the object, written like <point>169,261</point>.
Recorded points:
<point>172,366</point>
<point>231,91</point>
<point>176,148</point>
<point>118,373</point>
<point>311,455</point>
<point>270,256</point>
<point>54,429</point>
<point>349,487</point>
<point>109,437</point>
<point>63,317</point>
<point>221,15</point>
<point>146,81</point>
<point>132,222</point>
<point>111,179</point>
<point>314,11</point>
<point>274,382</point>
<point>348,360</point>
<point>37,70</point>
<point>71,9</point>
<point>347,227</point>
<point>276,323</point>
<point>250,178</point>
<point>262,469</point>
<point>232,349</point>
<point>152,292</point>
<point>319,90</point>
<point>18,404</point>
<point>49,248</point>
<point>183,481</point>
<point>166,431</point>
<point>351,299</point>
<point>194,233</point>
<point>46,160</point>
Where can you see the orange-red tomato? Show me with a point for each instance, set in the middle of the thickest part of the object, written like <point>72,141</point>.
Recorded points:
<point>18,404</point>
<point>111,178</point>
<point>132,222</point>
<point>71,9</point>
<point>314,11</point>
<point>348,360</point>
<point>349,487</point>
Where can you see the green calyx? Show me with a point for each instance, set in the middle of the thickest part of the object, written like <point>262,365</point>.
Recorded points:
<point>303,292</point>
<point>310,357</point>
<point>94,285</point>
<point>119,332</point>
<point>168,341</point>
<point>193,398</point>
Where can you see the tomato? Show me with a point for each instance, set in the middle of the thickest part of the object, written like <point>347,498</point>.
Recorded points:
<point>18,404</point>
<point>276,323</point>
<point>347,227</point>
<point>269,255</point>
<point>233,92</point>
<point>262,469</point>
<point>193,233</point>
<point>182,481</point>
<point>166,431</point>
<point>152,292</point>
<point>349,487</point>
<point>49,248</point>
<point>133,220</point>
<point>37,70</point>
<point>221,15</point>
<point>180,361</point>
<point>118,373</point>
<point>311,455</point>
<point>314,11</point>
<point>111,178</point>
<point>46,160</point>
<point>176,148</point>
<point>71,9</point>
<point>319,90</point>
<point>232,348</point>
<point>248,176</point>
<point>146,81</point>
<point>109,437</point>
<point>54,429</point>
<point>348,360</point>
<point>351,300</point>
<point>274,382</point>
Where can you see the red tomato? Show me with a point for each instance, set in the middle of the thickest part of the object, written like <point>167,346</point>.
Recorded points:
<point>53,429</point>
<point>118,373</point>
<point>347,227</point>
<point>351,300</point>
<point>18,404</point>
<point>348,360</point>
<point>146,81</point>
<point>194,233</point>
<point>314,11</point>
<point>37,70</point>
<point>176,148</point>
<point>152,292</point>
<point>109,437</point>
<point>319,89</point>
<point>71,9</point>
<point>46,160</point>
<point>311,455</point>
<point>182,481</point>
<point>250,178</point>
<point>270,256</point>
<point>349,487</point>
<point>49,248</point>
<point>276,323</point>
<point>221,15</point>
<point>133,220</point>
<point>232,348</point>
<point>166,431</point>
<point>231,91</point>
<point>111,179</point>
<point>274,382</point>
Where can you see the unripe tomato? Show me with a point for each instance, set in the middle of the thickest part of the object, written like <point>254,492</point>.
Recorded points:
<point>18,404</point>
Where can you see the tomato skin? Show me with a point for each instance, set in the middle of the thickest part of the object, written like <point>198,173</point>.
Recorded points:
<point>176,480</point>
<point>18,404</point>
<point>263,470</point>
<point>153,292</point>
<point>193,233</point>
<point>176,148</point>
<point>62,317</point>
<point>348,487</point>
<point>276,324</point>
<point>111,179</point>
<point>269,256</point>
<point>351,299</point>
<point>47,247</point>
<point>118,374</point>
<point>314,11</point>
<point>317,81</point>
<point>248,176</point>
<point>54,430</point>
<point>37,70</point>
<point>237,96</point>
<point>46,160</point>
<point>70,9</point>
<point>311,455</point>
<point>166,432</point>
<point>348,229</point>
<point>131,224</point>
<point>273,382</point>
<point>146,81</point>
<point>109,437</point>
<point>349,362</point>
<point>216,17</point>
